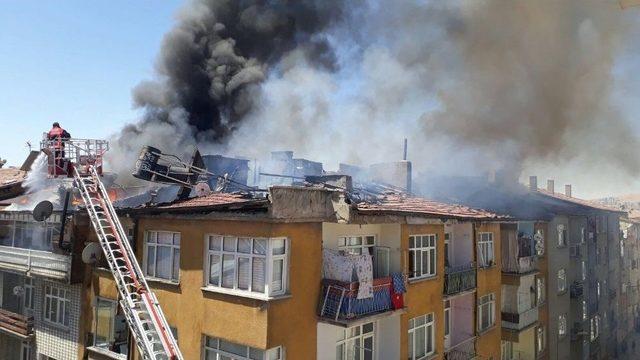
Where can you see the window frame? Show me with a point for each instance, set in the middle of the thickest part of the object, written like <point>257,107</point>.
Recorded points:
<point>269,259</point>
<point>217,351</point>
<point>361,336</point>
<point>562,235</point>
<point>113,304</point>
<point>362,246</point>
<point>541,296</point>
<point>489,301</point>
<point>175,278</point>
<point>561,280</point>
<point>417,252</point>
<point>541,342</point>
<point>562,326</point>
<point>28,303</point>
<point>490,249</point>
<point>428,321</point>
<point>63,305</point>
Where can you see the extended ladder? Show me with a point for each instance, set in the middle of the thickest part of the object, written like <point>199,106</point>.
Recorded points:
<point>140,306</point>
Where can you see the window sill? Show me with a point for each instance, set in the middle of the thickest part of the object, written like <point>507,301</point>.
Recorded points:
<point>56,325</point>
<point>421,279</point>
<point>485,331</point>
<point>154,280</point>
<point>487,267</point>
<point>244,294</point>
<point>433,355</point>
<point>107,353</point>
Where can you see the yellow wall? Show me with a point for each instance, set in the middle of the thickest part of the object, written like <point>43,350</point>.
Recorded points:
<point>424,296</point>
<point>489,281</point>
<point>543,267</point>
<point>255,323</point>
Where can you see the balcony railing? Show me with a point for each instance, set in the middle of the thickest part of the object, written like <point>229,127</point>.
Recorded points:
<point>339,300</point>
<point>522,265</point>
<point>16,323</point>
<point>463,351</point>
<point>459,279</point>
<point>576,290</point>
<point>521,320</point>
<point>35,262</point>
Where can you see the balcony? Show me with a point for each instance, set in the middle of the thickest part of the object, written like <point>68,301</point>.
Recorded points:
<point>35,262</point>
<point>16,324</point>
<point>576,290</point>
<point>463,351</point>
<point>339,303</point>
<point>459,279</point>
<point>520,265</point>
<point>520,321</point>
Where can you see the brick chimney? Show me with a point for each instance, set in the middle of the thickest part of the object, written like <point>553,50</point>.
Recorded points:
<point>533,183</point>
<point>567,190</point>
<point>550,186</point>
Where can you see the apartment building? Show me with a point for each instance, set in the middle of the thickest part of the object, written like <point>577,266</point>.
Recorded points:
<point>265,278</point>
<point>630,284</point>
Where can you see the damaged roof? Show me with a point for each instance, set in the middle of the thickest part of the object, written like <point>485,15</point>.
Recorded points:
<point>213,201</point>
<point>11,176</point>
<point>576,201</point>
<point>403,204</point>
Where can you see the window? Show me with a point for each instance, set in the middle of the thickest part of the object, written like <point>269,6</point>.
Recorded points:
<point>582,235</point>
<point>485,249</point>
<point>357,245</point>
<point>486,312</point>
<point>584,310</point>
<point>357,343</point>
<point>422,256</point>
<point>584,270</point>
<point>598,289</point>
<point>162,255</point>
<point>539,238</point>
<point>507,350</point>
<point>562,235</point>
<point>540,295</point>
<point>253,265</point>
<point>562,280</point>
<point>421,336</point>
<point>27,299</point>
<point>540,339</point>
<point>562,325</point>
<point>595,327</point>
<point>57,305</point>
<point>111,331</point>
<point>218,349</point>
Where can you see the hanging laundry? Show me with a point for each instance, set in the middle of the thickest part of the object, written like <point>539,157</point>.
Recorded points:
<point>364,269</point>
<point>336,266</point>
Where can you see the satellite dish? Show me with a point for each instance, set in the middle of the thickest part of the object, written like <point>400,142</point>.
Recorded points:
<point>202,189</point>
<point>43,210</point>
<point>18,290</point>
<point>92,253</point>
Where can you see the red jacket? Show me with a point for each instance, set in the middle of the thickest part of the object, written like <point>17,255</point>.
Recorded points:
<point>58,134</point>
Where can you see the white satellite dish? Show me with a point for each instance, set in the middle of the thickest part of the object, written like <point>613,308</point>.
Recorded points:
<point>18,290</point>
<point>92,253</point>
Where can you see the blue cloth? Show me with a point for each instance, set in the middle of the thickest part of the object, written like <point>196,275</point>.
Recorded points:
<point>398,283</point>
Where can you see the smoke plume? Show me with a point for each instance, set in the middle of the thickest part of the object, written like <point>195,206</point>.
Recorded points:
<point>474,85</point>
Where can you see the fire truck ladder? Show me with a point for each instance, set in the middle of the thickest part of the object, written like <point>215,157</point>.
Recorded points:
<point>140,306</point>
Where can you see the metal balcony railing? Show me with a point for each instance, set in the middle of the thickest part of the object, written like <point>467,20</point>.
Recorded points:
<point>459,279</point>
<point>35,262</point>
<point>339,300</point>
<point>522,265</point>
<point>16,323</point>
<point>521,320</point>
<point>576,290</point>
<point>463,351</point>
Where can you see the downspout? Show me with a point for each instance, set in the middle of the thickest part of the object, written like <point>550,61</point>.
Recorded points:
<point>63,222</point>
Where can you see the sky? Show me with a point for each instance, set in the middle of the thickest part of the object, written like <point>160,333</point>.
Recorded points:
<point>74,62</point>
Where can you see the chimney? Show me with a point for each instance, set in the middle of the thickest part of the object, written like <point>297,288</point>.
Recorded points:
<point>550,186</point>
<point>567,190</point>
<point>533,183</point>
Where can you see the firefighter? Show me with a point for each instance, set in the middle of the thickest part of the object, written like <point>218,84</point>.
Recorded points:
<point>57,136</point>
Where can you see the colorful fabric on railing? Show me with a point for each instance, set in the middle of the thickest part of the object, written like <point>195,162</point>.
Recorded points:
<point>364,269</point>
<point>398,283</point>
<point>336,266</point>
<point>380,300</point>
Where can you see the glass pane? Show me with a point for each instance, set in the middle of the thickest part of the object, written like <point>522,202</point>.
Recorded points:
<point>355,240</point>
<point>229,244</point>
<point>244,273</point>
<point>164,263</point>
<point>176,264</point>
<point>339,352</point>
<point>368,348</point>
<point>65,312</point>
<point>214,270</point>
<point>244,245</point>
<point>371,240</point>
<point>233,348</point>
<point>411,346</point>
<point>425,262</point>
<point>432,262</point>
<point>176,239</point>
<point>257,276</point>
<point>152,236</point>
<point>103,324</point>
<point>256,354</point>
<point>278,267</point>
<point>367,328</point>
<point>228,270</point>
<point>411,242</point>
<point>165,238</point>
<point>341,241</point>
<point>356,348</point>
<point>278,246</point>
<point>260,246</point>
<point>54,309</point>
<point>420,334</point>
<point>275,354</point>
<point>215,243</point>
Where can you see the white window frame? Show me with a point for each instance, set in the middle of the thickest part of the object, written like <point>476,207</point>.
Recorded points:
<point>584,310</point>
<point>562,235</point>
<point>598,289</point>
<point>355,334</point>
<point>212,344</point>
<point>26,351</point>
<point>486,249</point>
<point>61,299</point>
<point>487,304</point>
<point>113,309</point>
<point>562,325</point>
<point>540,291</point>
<point>29,292</point>
<point>150,245</point>
<point>582,235</point>
<point>595,327</point>
<point>350,244</point>
<point>584,270</point>
<point>540,339</point>
<point>426,321</point>
<point>417,253</point>
<point>269,258</point>
<point>562,280</point>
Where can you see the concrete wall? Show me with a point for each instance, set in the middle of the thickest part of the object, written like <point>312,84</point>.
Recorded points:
<point>543,268</point>
<point>559,303</point>
<point>489,281</point>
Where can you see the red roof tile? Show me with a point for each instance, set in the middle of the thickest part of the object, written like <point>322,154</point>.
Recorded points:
<point>211,200</point>
<point>11,176</point>
<point>581,202</point>
<point>414,205</point>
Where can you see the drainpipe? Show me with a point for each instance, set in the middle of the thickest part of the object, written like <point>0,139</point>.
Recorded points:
<point>63,222</point>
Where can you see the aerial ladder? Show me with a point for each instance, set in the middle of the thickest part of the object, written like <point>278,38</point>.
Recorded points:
<point>82,161</point>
